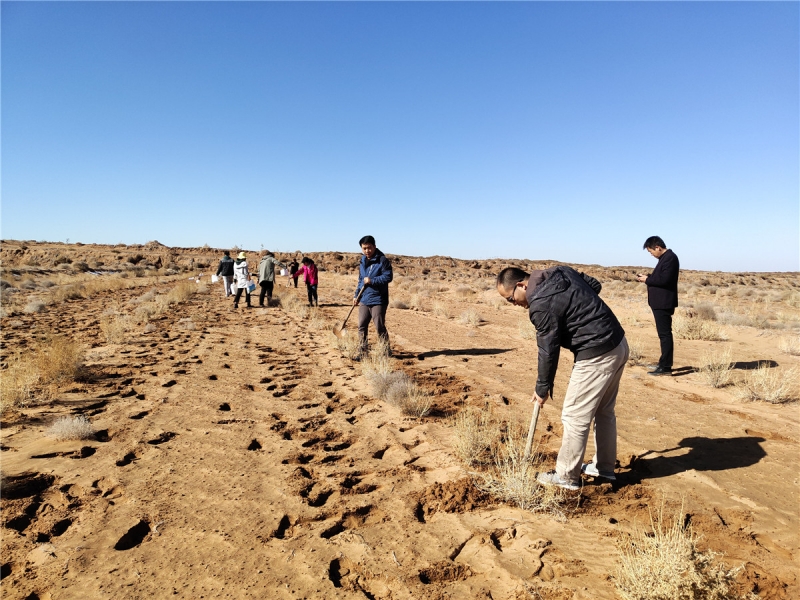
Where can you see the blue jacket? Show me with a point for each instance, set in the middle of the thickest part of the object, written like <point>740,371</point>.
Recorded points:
<point>379,271</point>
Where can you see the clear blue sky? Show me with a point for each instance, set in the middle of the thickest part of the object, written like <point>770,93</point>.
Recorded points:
<point>567,131</point>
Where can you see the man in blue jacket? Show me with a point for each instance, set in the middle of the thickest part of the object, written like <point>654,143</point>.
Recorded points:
<point>662,296</point>
<point>374,276</point>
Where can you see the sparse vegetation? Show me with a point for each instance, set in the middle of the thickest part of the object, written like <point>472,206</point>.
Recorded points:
<point>399,304</point>
<point>440,310</point>
<point>71,428</point>
<point>790,345</point>
<point>717,367</point>
<point>474,434</point>
<point>395,387</point>
<point>17,381</point>
<point>768,385</point>
<point>526,329</point>
<point>690,327</point>
<point>635,352</point>
<point>665,564</point>
<point>470,318</point>
<point>114,327</point>
<point>33,307</point>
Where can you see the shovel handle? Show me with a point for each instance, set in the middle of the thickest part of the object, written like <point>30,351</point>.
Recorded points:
<point>531,429</point>
<point>354,305</point>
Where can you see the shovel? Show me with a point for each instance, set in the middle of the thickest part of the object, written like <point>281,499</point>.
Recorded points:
<point>531,429</point>
<point>339,330</point>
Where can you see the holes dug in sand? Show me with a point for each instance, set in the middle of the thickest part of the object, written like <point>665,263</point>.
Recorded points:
<point>336,447</point>
<point>307,406</point>
<point>19,523</point>
<point>331,458</point>
<point>103,436</point>
<point>254,445</point>
<point>134,536</point>
<point>272,387</point>
<point>379,454</point>
<point>265,380</point>
<point>284,526</point>
<point>299,459</point>
<point>326,384</point>
<point>169,383</point>
<point>163,438</point>
<point>25,485</point>
<point>249,387</point>
<point>335,573</point>
<point>60,527</point>
<point>444,571</point>
<point>224,406</point>
<point>5,570</point>
<point>212,377</point>
<point>287,435</point>
<point>450,497</point>
<point>336,529</point>
<point>127,459</point>
<point>330,395</point>
<point>139,415</point>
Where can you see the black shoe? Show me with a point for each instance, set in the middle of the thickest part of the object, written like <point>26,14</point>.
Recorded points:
<point>235,306</point>
<point>661,371</point>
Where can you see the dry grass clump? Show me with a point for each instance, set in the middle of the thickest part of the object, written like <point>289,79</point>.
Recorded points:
<point>470,318</point>
<point>475,431</point>
<point>691,327</point>
<point>69,292</point>
<point>464,292</point>
<point>292,303</point>
<point>398,304</point>
<point>53,363</point>
<point>33,307</point>
<point>790,345</point>
<point>526,329</point>
<point>114,327</point>
<point>512,479</point>
<point>395,387</point>
<point>181,292</point>
<point>768,385</point>
<point>71,428</point>
<point>705,311</point>
<point>665,564</point>
<point>416,302</point>
<point>318,322</point>
<point>17,381</point>
<point>717,367</point>
<point>349,344</point>
<point>635,352</point>
<point>146,297</point>
<point>440,310</point>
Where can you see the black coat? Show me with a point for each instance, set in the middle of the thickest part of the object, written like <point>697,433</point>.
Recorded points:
<point>567,312</point>
<point>662,284</point>
<point>225,268</point>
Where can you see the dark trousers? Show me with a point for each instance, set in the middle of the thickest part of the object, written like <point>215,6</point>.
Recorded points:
<point>376,314</point>
<point>266,290</point>
<point>664,328</point>
<point>295,280</point>
<point>312,294</point>
<point>239,295</point>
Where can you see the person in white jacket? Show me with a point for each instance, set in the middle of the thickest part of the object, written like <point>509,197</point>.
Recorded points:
<point>241,276</point>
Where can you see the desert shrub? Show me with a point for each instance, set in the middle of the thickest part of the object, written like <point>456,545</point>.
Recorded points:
<point>512,478</point>
<point>33,307</point>
<point>475,430</point>
<point>768,385</point>
<point>318,322</point>
<point>146,297</point>
<point>293,304</point>
<point>705,311</point>
<point>114,327</point>
<point>440,310</point>
<point>470,318</point>
<point>59,360</point>
<point>181,292</point>
<point>149,328</point>
<point>635,351</point>
<point>526,329</point>
<point>690,327</point>
<point>416,302</point>
<point>405,394</point>
<point>17,381</point>
<point>398,304</point>
<point>69,292</point>
<point>46,283</point>
<point>187,324</point>
<point>62,260</point>
<point>349,344</point>
<point>27,284</point>
<point>143,313</point>
<point>464,292</point>
<point>790,345</point>
<point>71,428</point>
<point>665,564</point>
<point>717,367</point>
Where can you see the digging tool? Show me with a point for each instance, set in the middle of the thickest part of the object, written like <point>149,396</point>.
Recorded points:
<point>339,330</point>
<point>532,428</point>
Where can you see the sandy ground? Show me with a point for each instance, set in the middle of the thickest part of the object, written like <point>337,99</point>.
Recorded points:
<point>240,455</point>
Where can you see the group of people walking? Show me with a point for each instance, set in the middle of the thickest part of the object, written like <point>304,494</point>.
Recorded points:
<point>237,279</point>
<point>565,308</point>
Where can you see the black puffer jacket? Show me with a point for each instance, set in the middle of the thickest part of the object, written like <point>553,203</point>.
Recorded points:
<point>225,268</point>
<point>566,311</point>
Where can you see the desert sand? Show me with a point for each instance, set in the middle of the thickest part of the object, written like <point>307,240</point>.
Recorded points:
<point>240,454</point>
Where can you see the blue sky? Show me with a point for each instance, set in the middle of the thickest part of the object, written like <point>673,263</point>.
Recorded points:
<point>566,131</point>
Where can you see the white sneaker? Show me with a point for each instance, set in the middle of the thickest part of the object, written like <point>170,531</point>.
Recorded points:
<point>591,469</point>
<point>552,478</point>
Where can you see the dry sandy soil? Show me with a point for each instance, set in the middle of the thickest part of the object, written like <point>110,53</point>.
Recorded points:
<point>239,454</point>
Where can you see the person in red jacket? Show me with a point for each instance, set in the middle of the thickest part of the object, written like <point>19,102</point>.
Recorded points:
<point>309,271</point>
<point>662,296</point>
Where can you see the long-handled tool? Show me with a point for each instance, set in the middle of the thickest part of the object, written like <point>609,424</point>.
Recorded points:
<point>532,428</point>
<point>339,330</point>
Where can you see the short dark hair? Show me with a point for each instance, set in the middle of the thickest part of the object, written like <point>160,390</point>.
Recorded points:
<point>367,239</point>
<point>227,252</point>
<point>307,261</point>
<point>510,277</point>
<point>654,241</point>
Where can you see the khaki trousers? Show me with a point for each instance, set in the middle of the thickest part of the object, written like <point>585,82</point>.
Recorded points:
<point>591,396</point>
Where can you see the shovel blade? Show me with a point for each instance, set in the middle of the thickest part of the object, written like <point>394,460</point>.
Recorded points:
<point>339,331</point>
